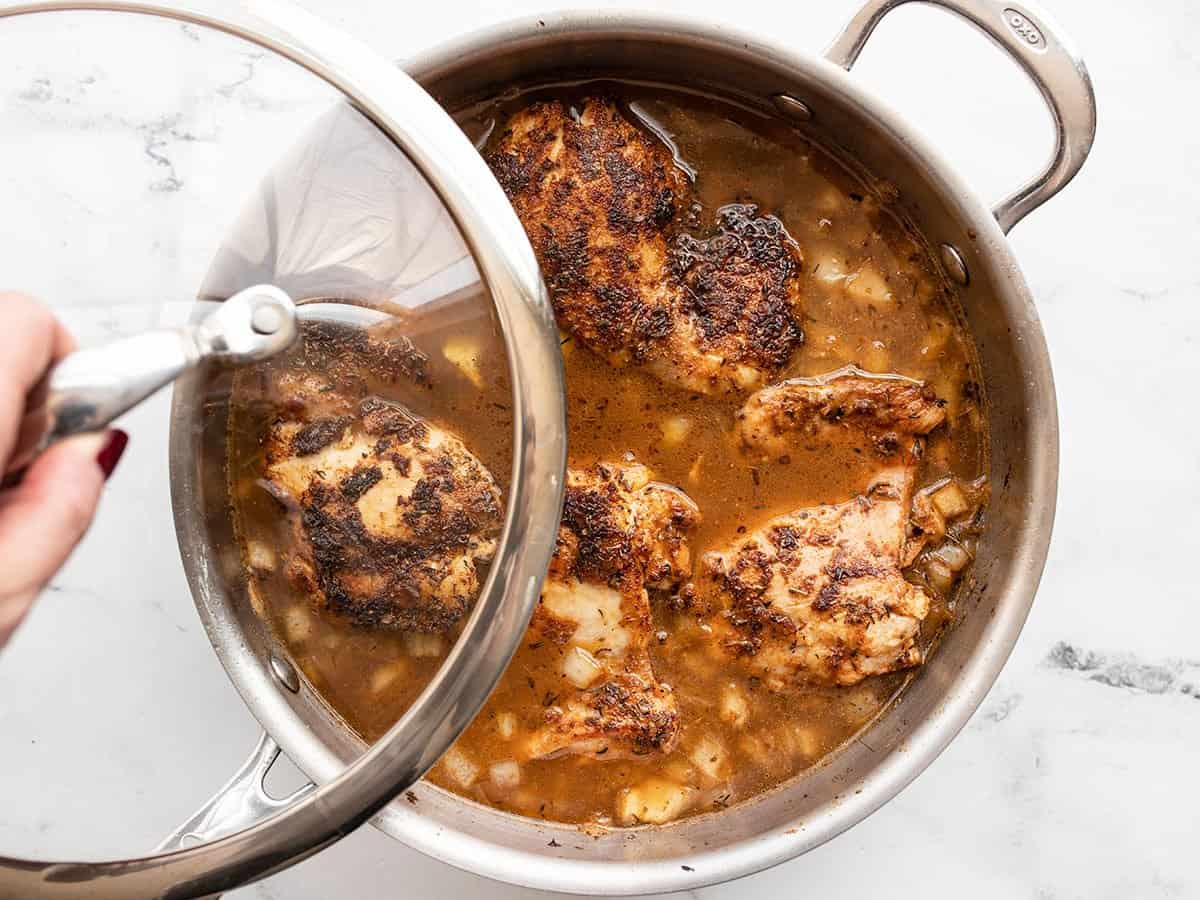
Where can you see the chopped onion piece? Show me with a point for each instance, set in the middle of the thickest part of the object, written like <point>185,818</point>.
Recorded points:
<point>746,377</point>
<point>256,599</point>
<point>675,430</point>
<point>386,675</point>
<point>580,667</point>
<point>506,725</point>
<point>260,556</point>
<point>709,757</point>
<point>949,501</point>
<point>867,285</point>
<point>927,518</point>
<point>465,355</point>
<point>653,802</point>
<point>808,743</point>
<point>734,708</point>
<point>505,774</point>
<point>421,645</point>
<point>953,556</point>
<point>460,767</point>
<point>939,576</point>
<point>297,624</point>
<point>829,269</point>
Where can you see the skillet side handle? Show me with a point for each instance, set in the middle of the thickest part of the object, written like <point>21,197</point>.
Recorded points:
<point>1037,45</point>
<point>242,802</point>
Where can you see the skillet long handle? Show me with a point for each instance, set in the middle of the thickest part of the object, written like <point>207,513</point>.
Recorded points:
<point>242,802</point>
<point>1028,35</point>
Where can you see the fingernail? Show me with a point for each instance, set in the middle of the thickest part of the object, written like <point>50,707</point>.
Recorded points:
<point>110,455</point>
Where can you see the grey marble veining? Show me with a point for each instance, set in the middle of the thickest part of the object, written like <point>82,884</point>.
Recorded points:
<point>127,149</point>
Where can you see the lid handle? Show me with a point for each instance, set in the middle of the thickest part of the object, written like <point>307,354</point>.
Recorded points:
<point>88,389</point>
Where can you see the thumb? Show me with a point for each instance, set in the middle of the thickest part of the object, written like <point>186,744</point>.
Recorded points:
<point>46,514</point>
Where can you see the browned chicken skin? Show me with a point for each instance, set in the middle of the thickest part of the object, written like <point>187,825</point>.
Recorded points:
<point>817,596</point>
<point>620,534</point>
<point>392,515</point>
<point>888,413</point>
<point>601,199</point>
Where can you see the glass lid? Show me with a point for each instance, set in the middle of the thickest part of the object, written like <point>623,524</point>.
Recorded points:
<point>364,517</point>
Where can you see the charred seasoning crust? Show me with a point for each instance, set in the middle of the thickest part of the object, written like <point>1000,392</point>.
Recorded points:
<point>747,583</point>
<point>448,512</point>
<point>343,356</point>
<point>637,717</point>
<point>360,481</point>
<point>881,405</point>
<point>601,200</point>
<point>602,543</point>
<point>318,435</point>
<point>824,627</point>
<point>627,539</point>
<point>880,412</point>
<point>343,549</point>
<point>741,287</point>
<point>553,628</point>
<point>615,522</point>
<point>624,709</point>
<point>381,417</point>
<point>746,586</point>
<point>612,190</point>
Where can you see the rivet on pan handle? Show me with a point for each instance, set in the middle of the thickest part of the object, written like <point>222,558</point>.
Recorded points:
<point>1036,44</point>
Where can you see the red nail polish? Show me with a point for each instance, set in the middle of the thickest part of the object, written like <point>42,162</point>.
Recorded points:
<point>108,458</point>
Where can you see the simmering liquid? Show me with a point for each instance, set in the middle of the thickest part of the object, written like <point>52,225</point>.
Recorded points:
<point>872,297</point>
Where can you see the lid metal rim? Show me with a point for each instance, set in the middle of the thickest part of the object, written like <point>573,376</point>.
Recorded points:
<point>451,165</point>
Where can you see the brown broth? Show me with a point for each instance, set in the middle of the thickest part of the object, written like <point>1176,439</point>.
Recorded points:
<point>842,222</point>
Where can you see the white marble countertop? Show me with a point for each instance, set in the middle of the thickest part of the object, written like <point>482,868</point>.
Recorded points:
<point>127,147</point>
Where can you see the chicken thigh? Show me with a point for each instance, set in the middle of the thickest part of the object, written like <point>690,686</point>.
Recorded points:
<point>601,200</point>
<point>621,533</point>
<point>886,413</point>
<point>393,514</point>
<point>817,597</point>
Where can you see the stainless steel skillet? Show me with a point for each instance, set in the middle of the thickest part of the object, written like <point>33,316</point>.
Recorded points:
<point>820,95</point>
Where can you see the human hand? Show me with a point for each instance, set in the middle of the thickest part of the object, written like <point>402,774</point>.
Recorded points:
<point>43,516</point>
